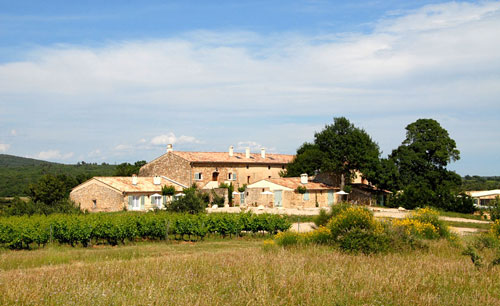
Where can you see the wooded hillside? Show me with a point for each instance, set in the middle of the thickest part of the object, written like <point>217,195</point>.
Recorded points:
<point>16,173</point>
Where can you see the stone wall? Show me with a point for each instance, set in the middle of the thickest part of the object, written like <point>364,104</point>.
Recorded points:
<point>107,199</point>
<point>254,197</point>
<point>171,166</point>
<point>244,175</point>
<point>293,199</point>
<point>359,196</point>
<point>289,199</point>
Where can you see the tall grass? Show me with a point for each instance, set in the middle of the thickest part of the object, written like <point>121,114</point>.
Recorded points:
<point>239,272</point>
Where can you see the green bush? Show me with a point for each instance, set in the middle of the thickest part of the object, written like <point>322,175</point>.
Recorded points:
<point>168,190</point>
<point>356,230</point>
<point>431,216</point>
<point>495,209</point>
<point>192,202</point>
<point>495,229</point>
<point>286,239</point>
<point>325,216</point>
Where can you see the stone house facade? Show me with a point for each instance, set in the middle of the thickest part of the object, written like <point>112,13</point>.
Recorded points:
<point>282,192</point>
<point>210,169</point>
<point>107,194</point>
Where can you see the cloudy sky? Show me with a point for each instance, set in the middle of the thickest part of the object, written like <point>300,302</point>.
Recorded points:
<point>105,81</point>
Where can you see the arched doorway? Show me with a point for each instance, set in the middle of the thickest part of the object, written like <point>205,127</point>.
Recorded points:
<point>215,176</point>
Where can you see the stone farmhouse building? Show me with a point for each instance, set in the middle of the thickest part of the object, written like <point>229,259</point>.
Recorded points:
<point>283,192</point>
<point>119,193</point>
<point>210,169</point>
<point>260,172</point>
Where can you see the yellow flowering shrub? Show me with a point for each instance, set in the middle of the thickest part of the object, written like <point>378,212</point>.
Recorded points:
<point>495,229</point>
<point>354,217</point>
<point>321,235</point>
<point>269,245</point>
<point>356,230</point>
<point>430,216</point>
<point>416,227</point>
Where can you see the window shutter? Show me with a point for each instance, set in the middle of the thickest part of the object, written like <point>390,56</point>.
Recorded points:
<point>164,200</point>
<point>142,202</point>
<point>130,199</point>
<point>234,176</point>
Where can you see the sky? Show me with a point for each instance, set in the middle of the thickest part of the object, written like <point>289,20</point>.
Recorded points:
<point>116,81</point>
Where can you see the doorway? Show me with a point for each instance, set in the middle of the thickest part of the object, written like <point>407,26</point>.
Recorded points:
<point>215,176</point>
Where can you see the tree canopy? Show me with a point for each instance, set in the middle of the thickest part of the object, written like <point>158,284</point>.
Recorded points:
<point>127,169</point>
<point>340,148</point>
<point>418,168</point>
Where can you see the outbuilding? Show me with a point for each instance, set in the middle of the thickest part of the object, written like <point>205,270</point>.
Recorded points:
<point>122,193</point>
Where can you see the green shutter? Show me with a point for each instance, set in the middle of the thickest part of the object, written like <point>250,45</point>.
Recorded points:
<point>306,196</point>
<point>130,199</point>
<point>234,176</point>
<point>152,199</point>
<point>142,202</point>
<point>164,200</point>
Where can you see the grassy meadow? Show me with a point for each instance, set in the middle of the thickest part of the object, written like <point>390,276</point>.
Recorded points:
<point>242,272</point>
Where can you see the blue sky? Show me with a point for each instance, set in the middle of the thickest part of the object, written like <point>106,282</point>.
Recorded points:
<point>114,81</point>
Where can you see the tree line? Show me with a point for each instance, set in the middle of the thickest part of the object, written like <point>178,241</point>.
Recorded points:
<point>415,172</point>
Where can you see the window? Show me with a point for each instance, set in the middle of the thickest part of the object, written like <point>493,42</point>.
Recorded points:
<point>94,203</point>
<point>136,205</point>
<point>269,167</point>
<point>248,179</point>
<point>247,166</point>
<point>198,176</point>
<point>283,167</point>
<point>157,201</point>
<point>306,196</point>
<point>269,177</point>
<point>231,176</point>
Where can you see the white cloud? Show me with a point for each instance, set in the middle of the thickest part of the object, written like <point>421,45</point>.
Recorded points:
<point>438,56</point>
<point>254,146</point>
<point>4,147</point>
<point>94,153</point>
<point>53,155</point>
<point>439,59</point>
<point>123,147</point>
<point>170,138</point>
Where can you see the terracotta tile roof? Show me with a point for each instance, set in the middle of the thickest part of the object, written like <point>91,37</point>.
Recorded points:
<point>369,187</point>
<point>294,182</point>
<point>124,183</point>
<point>223,157</point>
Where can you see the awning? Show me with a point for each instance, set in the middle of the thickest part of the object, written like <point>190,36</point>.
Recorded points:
<point>156,195</point>
<point>342,192</point>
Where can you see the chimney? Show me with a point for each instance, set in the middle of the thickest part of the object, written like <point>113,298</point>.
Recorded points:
<point>156,180</point>
<point>263,153</point>
<point>231,151</point>
<point>134,179</point>
<point>170,148</point>
<point>247,152</point>
<point>303,178</point>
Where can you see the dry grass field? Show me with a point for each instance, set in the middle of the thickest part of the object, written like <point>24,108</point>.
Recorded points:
<point>241,272</point>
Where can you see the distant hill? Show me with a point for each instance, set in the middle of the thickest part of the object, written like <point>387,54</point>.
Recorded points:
<point>480,182</point>
<point>16,173</point>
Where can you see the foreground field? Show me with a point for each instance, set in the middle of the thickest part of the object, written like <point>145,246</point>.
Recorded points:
<point>240,272</point>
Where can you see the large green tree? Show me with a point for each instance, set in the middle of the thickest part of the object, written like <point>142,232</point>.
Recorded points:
<point>48,190</point>
<point>340,148</point>
<point>418,168</point>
